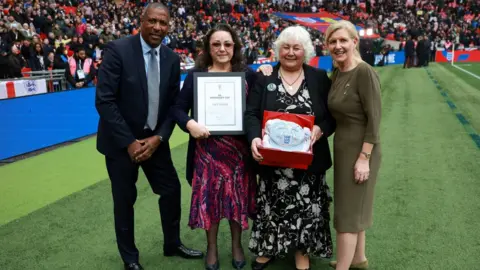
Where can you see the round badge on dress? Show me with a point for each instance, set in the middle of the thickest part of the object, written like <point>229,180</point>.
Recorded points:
<point>271,87</point>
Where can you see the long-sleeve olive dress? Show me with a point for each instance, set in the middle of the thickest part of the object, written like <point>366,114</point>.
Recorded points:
<point>355,103</point>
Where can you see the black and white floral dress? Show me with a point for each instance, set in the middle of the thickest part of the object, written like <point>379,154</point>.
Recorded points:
<point>292,204</point>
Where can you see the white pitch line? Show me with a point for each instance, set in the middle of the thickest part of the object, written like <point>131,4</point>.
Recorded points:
<point>468,72</point>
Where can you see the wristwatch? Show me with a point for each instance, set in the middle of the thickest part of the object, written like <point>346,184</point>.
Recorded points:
<point>367,155</point>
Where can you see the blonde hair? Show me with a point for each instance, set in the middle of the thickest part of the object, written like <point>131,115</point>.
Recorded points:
<point>297,33</point>
<point>352,32</point>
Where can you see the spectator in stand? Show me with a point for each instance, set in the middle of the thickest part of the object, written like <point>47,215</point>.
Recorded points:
<point>251,53</point>
<point>26,49</point>
<point>73,44</point>
<point>47,47</point>
<point>36,39</point>
<point>13,33</point>
<point>16,62</point>
<point>318,47</point>
<point>27,31</point>
<point>4,64</point>
<point>60,58</point>
<point>80,70</point>
<point>37,61</point>
<point>50,61</point>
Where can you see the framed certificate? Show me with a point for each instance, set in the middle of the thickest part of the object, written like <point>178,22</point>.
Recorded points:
<point>219,101</point>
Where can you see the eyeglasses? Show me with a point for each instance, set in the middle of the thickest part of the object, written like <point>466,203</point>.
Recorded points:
<point>218,45</point>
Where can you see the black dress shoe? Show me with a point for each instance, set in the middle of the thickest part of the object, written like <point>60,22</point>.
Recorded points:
<point>133,266</point>
<point>184,252</point>
<point>238,264</point>
<point>260,266</point>
<point>215,266</point>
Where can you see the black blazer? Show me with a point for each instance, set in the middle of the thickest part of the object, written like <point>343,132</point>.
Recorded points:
<point>122,94</point>
<point>260,99</point>
<point>409,47</point>
<point>184,104</point>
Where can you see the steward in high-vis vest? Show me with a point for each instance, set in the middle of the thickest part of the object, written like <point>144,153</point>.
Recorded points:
<point>80,70</point>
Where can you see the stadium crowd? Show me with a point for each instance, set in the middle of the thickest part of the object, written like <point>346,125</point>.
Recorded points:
<point>41,35</point>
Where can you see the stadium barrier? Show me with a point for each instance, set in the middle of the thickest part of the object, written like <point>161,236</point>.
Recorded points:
<point>21,88</point>
<point>33,83</point>
<point>31,123</point>
<point>393,58</point>
<point>459,56</point>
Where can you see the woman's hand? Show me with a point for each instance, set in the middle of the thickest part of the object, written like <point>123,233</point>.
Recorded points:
<point>362,170</point>
<point>266,69</point>
<point>197,130</point>
<point>316,135</point>
<point>255,144</point>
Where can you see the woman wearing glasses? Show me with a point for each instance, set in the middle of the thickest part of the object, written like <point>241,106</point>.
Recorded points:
<point>219,168</point>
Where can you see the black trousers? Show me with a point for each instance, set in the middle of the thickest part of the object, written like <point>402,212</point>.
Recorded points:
<point>408,61</point>
<point>163,179</point>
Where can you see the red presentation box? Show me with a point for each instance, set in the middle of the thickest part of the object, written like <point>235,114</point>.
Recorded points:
<point>279,158</point>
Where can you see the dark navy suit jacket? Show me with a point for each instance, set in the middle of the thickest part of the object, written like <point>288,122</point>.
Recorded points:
<point>122,95</point>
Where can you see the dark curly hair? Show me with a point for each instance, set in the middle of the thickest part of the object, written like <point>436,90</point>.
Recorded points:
<point>205,59</point>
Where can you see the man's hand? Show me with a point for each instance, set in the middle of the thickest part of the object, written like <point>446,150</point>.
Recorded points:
<point>149,146</point>
<point>133,148</point>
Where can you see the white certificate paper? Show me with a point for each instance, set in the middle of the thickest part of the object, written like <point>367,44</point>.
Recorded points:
<point>220,104</point>
<point>220,101</point>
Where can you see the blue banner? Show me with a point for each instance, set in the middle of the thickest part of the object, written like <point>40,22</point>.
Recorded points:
<point>393,58</point>
<point>35,122</point>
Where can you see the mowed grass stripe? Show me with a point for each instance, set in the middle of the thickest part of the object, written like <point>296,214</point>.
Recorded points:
<point>32,183</point>
<point>461,96</point>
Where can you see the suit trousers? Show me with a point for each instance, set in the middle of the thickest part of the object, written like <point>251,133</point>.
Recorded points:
<point>163,179</point>
<point>408,61</point>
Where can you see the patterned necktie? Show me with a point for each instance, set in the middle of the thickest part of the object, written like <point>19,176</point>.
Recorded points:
<point>153,80</point>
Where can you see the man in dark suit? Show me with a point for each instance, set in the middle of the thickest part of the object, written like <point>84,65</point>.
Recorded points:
<point>137,83</point>
<point>409,53</point>
<point>427,51</point>
<point>420,50</point>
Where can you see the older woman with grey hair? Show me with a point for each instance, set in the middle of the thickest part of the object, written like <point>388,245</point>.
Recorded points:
<point>292,204</point>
